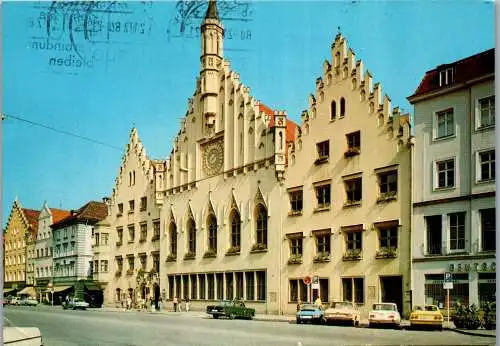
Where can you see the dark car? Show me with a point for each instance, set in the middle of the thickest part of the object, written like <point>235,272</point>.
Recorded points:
<point>310,313</point>
<point>230,309</point>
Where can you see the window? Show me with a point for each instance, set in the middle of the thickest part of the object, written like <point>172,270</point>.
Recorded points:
<point>156,230</point>
<point>220,285</point>
<point>457,231</point>
<point>119,232</point>
<point>156,261</point>
<point>212,233</point>
<point>436,295</point>
<point>294,290</point>
<point>353,191</point>
<point>104,266</point>
<point>388,184</point>
<point>342,107</point>
<point>131,233</point>
<point>229,286</point>
<point>144,261</point>
<point>144,231</point>
<point>322,241</point>
<point>201,280</point>
<point>388,237</point>
<point>323,150</point>
<point>185,287</point>
<point>96,239</point>
<point>323,290</point>
<point>119,263</point>
<point>261,225</point>
<point>353,144</point>
<point>261,285</point>
<point>487,111</point>
<point>211,286</point>
<point>296,246</point>
<point>446,76</point>
<point>144,203</point>
<point>120,209</point>
<point>487,165</point>
<point>434,234</point>
<point>130,259</point>
<point>354,240</point>
<point>486,287</point>
<point>323,196</point>
<point>333,110</point>
<point>296,201</point>
<point>191,236</point>
<point>250,283</point>
<point>239,285</point>
<point>235,229</point>
<point>171,287</point>
<point>131,206</point>
<point>488,229</point>
<point>194,286</point>
<point>353,290</point>
<point>173,239</point>
<point>445,124</point>
<point>445,171</point>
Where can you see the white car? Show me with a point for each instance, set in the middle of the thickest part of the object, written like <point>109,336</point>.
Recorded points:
<point>75,303</point>
<point>342,312</point>
<point>384,314</point>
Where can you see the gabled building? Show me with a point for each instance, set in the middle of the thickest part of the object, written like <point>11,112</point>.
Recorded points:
<point>21,226</point>
<point>347,218</point>
<point>134,227</point>
<point>454,182</point>
<point>41,255</point>
<point>72,254</point>
<point>221,223</point>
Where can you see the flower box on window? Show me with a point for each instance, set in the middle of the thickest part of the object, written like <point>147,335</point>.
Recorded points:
<point>211,253</point>
<point>321,160</point>
<point>295,213</point>
<point>171,258</point>
<point>130,271</point>
<point>322,257</point>
<point>352,255</point>
<point>233,250</point>
<point>387,252</point>
<point>387,196</point>
<point>189,256</point>
<point>118,273</point>
<point>351,152</point>
<point>142,239</point>
<point>259,247</point>
<point>155,237</point>
<point>348,204</point>
<point>119,243</point>
<point>295,259</point>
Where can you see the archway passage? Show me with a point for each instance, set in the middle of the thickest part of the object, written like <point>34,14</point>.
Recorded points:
<point>156,292</point>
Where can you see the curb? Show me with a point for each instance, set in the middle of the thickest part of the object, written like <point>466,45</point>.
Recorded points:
<point>271,320</point>
<point>472,333</point>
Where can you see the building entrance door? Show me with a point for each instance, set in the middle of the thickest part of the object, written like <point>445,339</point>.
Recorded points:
<point>392,290</point>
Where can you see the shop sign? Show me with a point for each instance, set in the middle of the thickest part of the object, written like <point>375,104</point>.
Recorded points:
<point>473,267</point>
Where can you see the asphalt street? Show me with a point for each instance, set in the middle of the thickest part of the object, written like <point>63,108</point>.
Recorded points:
<point>66,327</point>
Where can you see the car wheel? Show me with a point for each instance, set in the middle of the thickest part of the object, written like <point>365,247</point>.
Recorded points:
<point>215,317</point>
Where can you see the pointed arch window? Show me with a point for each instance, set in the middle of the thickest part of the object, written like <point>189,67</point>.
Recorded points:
<point>191,236</point>
<point>342,107</point>
<point>333,110</point>
<point>212,233</point>
<point>261,225</point>
<point>235,229</point>
<point>173,238</point>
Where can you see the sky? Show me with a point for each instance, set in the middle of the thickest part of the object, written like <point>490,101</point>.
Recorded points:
<point>96,72</point>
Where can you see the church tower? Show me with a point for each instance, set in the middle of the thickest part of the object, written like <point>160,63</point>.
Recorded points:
<point>212,34</point>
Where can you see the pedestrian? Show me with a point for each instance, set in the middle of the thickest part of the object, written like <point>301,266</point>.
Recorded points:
<point>129,303</point>
<point>187,304</point>
<point>175,301</point>
<point>298,304</point>
<point>318,301</point>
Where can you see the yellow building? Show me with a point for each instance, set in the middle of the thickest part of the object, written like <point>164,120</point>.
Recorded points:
<point>348,181</point>
<point>21,226</point>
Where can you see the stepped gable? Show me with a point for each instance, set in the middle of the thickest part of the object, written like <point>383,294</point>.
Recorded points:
<point>472,67</point>
<point>90,213</point>
<point>136,147</point>
<point>31,217</point>
<point>346,69</point>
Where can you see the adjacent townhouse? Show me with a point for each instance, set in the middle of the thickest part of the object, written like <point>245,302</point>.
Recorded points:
<point>43,251</point>
<point>134,228</point>
<point>101,250</point>
<point>221,223</point>
<point>347,205</point>
<point>21,226</point>
<point>454,182</point>
<point>72,254</point>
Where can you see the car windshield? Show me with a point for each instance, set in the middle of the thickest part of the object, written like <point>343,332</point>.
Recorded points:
<point>340,305</point>
<point>431,308</point>
<point>309,307</point>
<point>389,307</point>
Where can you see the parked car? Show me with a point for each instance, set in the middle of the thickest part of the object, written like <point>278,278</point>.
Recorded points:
<point>7,300</point>
<point>75,303</point>
<point>15,301</point>
<point>345,312</point>
<point>384,314</point>
<point>310,313</point>
<point>230,309</point>
<point>31,301</point>
<point>426,315</point>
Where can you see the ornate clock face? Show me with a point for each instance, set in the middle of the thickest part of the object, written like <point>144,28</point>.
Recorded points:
<point>213,158</point>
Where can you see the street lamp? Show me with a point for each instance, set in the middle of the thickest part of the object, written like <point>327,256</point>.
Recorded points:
<point>52,292</point>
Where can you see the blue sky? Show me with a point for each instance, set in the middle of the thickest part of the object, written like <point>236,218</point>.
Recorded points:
<point>144,76</point>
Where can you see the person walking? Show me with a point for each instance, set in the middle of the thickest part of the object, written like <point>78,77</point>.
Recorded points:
<point>299,303</point>
<point>318,301</point>
<point>176,302</point>
<point>187,304</point>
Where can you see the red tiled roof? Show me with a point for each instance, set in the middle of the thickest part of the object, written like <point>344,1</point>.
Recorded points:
<point>92,212</point>
<point>291,127</point>
<point>32,216</point>
<point>59,214</point>
<point>466,69</point>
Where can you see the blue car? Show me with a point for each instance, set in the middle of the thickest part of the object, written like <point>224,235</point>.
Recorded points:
<point>310,313</point>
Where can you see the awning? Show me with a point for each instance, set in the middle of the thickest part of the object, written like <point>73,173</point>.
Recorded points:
<point>29,291</point>
<point>58,289</point>
<point>92,287</point>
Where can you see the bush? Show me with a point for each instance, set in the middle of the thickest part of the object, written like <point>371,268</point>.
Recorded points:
<point>489,315</point>
<point>467,316</point>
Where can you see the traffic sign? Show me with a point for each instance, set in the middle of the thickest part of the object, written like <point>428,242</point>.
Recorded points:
<point>448,277</point>
<point>315,282</point>
<point>307,280</point>
<point>448,285</point>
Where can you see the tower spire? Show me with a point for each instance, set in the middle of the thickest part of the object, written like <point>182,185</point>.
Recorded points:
<point>212,12</point>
